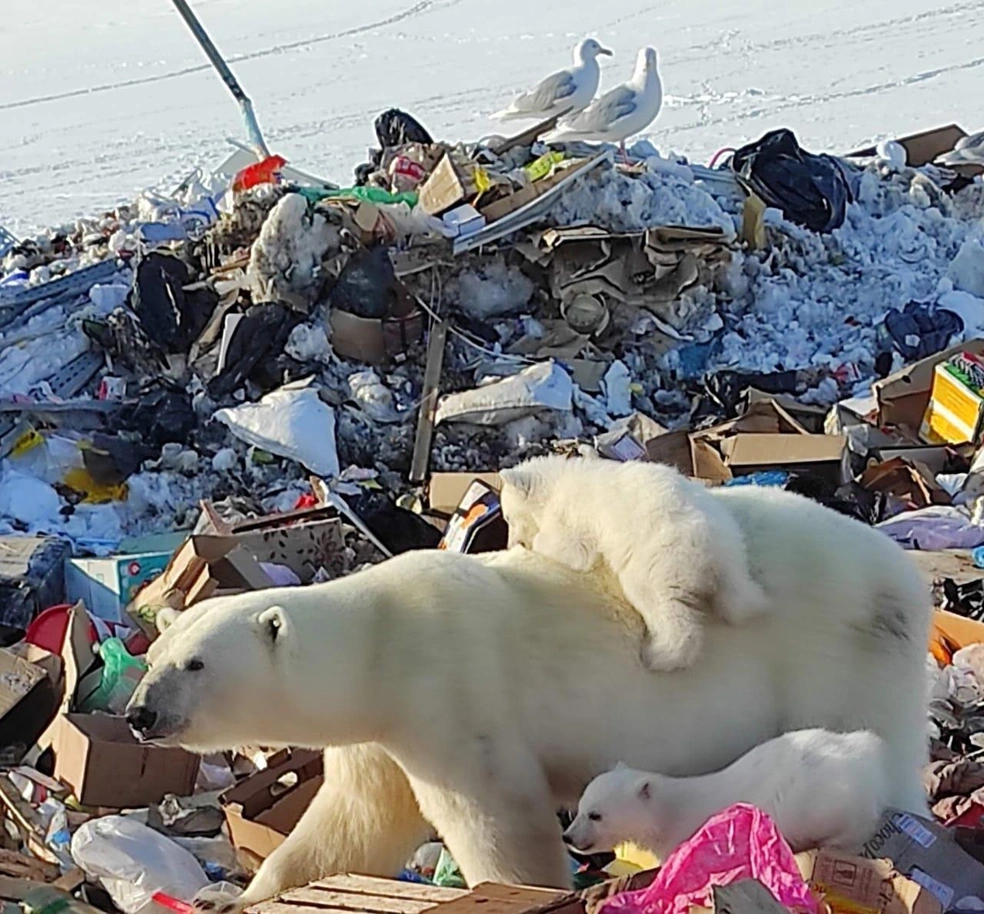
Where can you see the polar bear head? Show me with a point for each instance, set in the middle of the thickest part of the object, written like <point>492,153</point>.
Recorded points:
<point>619,805</point>
<point>254,668</point>
<point>526,491</point>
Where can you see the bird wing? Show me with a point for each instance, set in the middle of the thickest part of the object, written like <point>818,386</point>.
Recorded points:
<point>599,116</point>
<point>543,97</point>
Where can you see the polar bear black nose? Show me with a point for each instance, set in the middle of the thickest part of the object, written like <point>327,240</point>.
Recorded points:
<point>567,838</point>
<point>141,718</point>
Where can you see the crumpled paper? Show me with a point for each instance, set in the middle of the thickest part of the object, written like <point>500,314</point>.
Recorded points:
<point>741,842</point>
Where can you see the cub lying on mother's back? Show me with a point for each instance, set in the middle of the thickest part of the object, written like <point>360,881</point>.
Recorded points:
<point>675,550</point>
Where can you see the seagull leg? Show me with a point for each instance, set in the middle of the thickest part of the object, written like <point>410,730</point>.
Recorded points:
<point>625,155</point>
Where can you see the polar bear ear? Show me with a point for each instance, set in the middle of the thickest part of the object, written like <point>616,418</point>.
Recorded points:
<point>524,479</point>
<point>644,790</point>
<point>620,766</point>
<point>273,624</point>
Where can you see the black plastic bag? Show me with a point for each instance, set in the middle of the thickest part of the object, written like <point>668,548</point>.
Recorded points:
<point>171,317</point>
<point>396,528</point>
<point>163,414</point>
<point>397,128</point>
<point>257,342</point>
<point>919,331</point>
<point>366,285</point>
<point>811,190</point>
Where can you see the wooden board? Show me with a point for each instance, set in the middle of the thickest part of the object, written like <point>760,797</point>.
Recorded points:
<point>366,895</point>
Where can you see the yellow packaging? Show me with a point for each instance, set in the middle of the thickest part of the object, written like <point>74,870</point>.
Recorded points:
<point>637,856</point>
<point>955,414</point>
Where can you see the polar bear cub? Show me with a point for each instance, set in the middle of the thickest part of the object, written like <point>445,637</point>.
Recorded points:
<point>820,789</point>
<point>675,549</point>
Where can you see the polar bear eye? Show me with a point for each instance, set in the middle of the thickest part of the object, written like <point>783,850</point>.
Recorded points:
<point>594,816</point>
<point>194,665</point>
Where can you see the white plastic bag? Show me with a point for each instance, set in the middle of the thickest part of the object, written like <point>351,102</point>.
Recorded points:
<point>544,386</point>
<point>133,862</point>
<point>291,422</point>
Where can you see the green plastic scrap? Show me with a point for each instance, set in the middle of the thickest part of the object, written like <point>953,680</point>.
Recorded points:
<point>369,194</point>
<point>446,873</point>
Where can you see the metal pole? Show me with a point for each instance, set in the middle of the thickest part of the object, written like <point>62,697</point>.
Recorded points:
<point>252,127</point>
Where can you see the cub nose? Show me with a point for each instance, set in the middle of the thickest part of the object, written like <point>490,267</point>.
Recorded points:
<point>141,719</point>
<point>567,838</point>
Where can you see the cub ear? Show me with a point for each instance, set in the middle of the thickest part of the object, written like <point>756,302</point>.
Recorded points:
<point>165,618</point>
<point>273,624</point>
<point>620,766</point>
<point>644,791</point>
<point>524,479</point>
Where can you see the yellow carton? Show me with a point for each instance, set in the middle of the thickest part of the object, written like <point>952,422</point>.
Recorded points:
<point>955,414</point>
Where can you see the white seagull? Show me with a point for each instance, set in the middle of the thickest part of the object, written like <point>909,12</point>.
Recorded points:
<point>567,91</point>
<point>621,112</point>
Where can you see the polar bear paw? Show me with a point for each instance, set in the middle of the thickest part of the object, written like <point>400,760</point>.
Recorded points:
<point>679,651</point>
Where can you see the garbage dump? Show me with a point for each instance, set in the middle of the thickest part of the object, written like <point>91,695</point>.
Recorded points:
<point>265,382</point>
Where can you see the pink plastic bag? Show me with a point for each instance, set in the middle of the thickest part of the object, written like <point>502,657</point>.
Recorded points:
<point>741,842</point>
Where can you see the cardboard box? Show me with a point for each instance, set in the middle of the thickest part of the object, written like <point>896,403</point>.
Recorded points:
<point>203,567</point>
<point>765,437</point>
<point>910,481</point>
<point>450,184</point>
<point>107,586</point>
<point>926,853</point>
<point>262,809</point>
<point>955,414</point>
<point>96,754</point>
<point>374,341</point>
<point>477,524</point>
<point>27,702</point>
<point>446,490</point>
<point>99,758</point>
<point>957,630</point>
<point>903,397</point>
<point>855,885</point>
<point>929,145</point>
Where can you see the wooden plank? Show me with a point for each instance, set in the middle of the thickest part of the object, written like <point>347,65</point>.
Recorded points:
<point>372,885</point>
<point>27,821</point>
<point>428,401</point>
<point>279,907</point>
<point>320,898</point>
<point>20,866</point>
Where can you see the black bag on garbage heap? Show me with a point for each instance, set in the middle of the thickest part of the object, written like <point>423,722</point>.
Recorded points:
<point>811,190</point>
<point>257,342</point>
<point>397,128</point>
<point>366,287</point>
<point>398,529</point>
<point>171,317</point>
<point>393,128</point>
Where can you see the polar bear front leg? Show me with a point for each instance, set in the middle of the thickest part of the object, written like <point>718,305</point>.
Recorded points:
<point>502,827</point>
<point>674,627</point>
<point>364,819</point>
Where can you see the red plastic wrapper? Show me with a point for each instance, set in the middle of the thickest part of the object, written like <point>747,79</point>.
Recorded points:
<point>264,172</point>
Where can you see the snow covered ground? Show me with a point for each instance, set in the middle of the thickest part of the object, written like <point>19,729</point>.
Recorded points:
<point>98,101</point>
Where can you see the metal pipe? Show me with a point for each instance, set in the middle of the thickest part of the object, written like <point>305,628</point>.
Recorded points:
<point>212,52</point>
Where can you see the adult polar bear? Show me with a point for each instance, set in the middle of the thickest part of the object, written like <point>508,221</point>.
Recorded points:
<point>478,694</point>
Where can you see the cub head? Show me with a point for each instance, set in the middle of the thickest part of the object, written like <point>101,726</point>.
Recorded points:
<point>526,488</point>
<point>217,675</point>
<point>615,807</point>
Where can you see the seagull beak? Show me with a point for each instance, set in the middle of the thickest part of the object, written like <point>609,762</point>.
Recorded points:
<point>605,51</point>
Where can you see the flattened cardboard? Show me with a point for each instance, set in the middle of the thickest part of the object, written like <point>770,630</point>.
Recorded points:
<point>851,885</point>
<point>903,397</point>
<point>447,489</point>
<point>27,704</point>
<point>926,853</point>
<point>447,185</point>
<point>908,480</point>
<point>261,812</point>
<point>753,452</point>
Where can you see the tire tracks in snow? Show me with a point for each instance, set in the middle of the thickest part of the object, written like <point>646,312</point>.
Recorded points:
<point>422,6</point>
